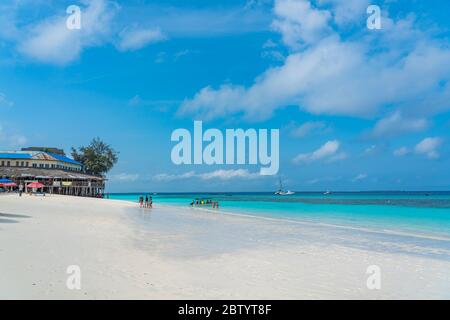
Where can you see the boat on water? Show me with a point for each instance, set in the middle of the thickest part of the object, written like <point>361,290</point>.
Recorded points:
<point>282,192</point>
<point>327,193</point>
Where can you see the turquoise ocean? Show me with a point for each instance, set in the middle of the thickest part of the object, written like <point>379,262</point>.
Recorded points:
<point>413,213</point>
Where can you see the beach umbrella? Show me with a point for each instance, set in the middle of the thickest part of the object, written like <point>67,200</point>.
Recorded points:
<point>10,184</point>
<point>35,185</point>
<point>5,181</point>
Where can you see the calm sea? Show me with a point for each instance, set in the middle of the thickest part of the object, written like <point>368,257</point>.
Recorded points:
<point>418,213</point>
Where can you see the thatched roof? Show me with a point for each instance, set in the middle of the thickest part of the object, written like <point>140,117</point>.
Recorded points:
<point>37,173</point>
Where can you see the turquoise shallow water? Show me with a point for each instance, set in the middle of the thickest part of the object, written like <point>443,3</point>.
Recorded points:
<point>418,213</point>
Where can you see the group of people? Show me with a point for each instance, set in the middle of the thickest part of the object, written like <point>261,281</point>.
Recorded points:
<point>146,202</point>
<point>207,202</point>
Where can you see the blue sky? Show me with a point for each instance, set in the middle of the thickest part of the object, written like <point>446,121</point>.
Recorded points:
<point>357,109</point>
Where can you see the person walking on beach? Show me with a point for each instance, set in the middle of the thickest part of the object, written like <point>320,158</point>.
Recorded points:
<point>146,201</point>
<point>150,202</point>
<point>141,201</point>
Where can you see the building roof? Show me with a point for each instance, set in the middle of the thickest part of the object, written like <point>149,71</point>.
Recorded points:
<point>14,155</point>
<point>63,158</point>
<point>37,155</point>
<point>37,173</point>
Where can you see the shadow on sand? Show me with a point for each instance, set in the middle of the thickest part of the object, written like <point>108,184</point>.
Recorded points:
<point>10,215</point>
<point>10,218</point>
<point>8,221</point>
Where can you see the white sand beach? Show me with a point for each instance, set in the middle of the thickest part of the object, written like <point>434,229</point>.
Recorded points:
<point>125,252</point>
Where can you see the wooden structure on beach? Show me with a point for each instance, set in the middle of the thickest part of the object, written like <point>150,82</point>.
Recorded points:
<point>58,173</point>
<point>57,181</point>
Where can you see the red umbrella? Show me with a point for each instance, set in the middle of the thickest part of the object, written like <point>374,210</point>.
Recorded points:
<point>11,184</point>
<point>35,185</point>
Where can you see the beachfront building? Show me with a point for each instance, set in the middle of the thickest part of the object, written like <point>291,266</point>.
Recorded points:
<point>50,166</point>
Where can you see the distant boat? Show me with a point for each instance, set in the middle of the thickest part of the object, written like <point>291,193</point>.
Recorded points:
<point>282,192</point>
<point>327,193</point>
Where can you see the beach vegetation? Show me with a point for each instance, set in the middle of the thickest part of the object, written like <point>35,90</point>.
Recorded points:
<point>97,158</point>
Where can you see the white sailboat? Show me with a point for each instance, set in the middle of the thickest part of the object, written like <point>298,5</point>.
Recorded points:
<point>282,192</point>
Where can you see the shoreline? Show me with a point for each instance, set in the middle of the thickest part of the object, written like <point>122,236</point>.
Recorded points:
<point>125,252</point>
<point>311,223</point>
<point>230,212</point>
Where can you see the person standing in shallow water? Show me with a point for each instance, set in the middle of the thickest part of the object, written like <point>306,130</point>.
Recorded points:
<point>146,202</point>
<point>141,201</point>
<point>150,203</point>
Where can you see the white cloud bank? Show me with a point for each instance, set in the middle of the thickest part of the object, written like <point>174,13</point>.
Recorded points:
<point>129,27</point>
<point>328,151</point>
<point>428,147</point>
<point>402,151</point>
<point>223,175</point>
<point>308,128</point>
<point>50,41</point>
<point>396,123</point>
<point>135,39</point>
<point>360,177</point>
<point>399,66</point>
<point>124,177</point>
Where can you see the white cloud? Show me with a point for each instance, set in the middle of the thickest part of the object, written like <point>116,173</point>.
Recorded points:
<point>50,41</point>
<point>327,151</point>
<point>4,102</point>
<point>214,175</point>
<point>299,22</point>
<point>338,157</point>
<point>230,174</point>
<point>348,11</point>
<point>135,39</point>
<point>396,123</point>
<point>360,177</point>
<point>164,177</point>
<point>428,147</point>
<point>13,140</point>
<point>269,44</point>
<point>329,74</point>
<point>371,150</point>
<point>273,54</point>
<point>308,128</point>
<point>125,177</point>
<point>402,151</point>
<point>47,40</point>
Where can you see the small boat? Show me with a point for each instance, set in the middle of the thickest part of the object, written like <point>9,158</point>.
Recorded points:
<point>327,193</point>
<point>282,192</point>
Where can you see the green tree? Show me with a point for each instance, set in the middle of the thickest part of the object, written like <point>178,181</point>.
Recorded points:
<point>98,158</point>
